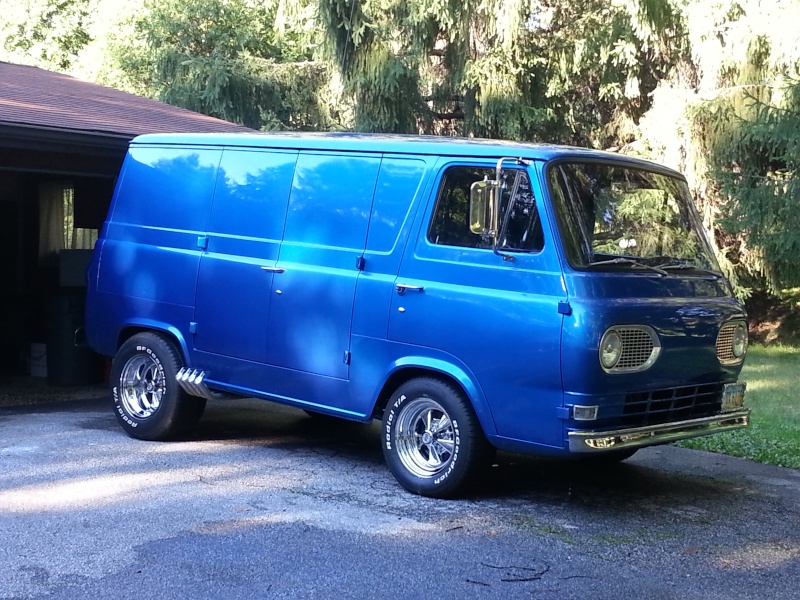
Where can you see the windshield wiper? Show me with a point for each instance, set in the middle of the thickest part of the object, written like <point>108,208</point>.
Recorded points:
<point>684,266</point>
<point>629,262</point>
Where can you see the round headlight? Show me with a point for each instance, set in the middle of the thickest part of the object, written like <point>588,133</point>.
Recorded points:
<point>739,345</point>
<point>610,349</point>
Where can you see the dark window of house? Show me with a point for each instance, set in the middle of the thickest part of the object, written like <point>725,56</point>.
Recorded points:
<point>450,223</point>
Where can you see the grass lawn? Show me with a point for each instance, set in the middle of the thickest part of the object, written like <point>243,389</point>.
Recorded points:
<point>773,393</point>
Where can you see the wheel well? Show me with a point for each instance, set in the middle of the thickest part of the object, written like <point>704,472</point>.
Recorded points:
<point>129,332</point>
<point>398,378</point>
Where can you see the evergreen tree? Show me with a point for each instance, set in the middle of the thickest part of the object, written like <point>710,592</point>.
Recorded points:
<point>710,88</point>
<point>224,58</point>
<point>501,68</point>
<point>751,129</point>
<point>729,117</point>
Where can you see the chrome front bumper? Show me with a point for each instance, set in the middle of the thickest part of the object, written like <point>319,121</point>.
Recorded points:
<point>637,437</point>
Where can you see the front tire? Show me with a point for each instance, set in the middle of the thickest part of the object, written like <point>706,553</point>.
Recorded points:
<point>148,402</point>
<point>432,441</point>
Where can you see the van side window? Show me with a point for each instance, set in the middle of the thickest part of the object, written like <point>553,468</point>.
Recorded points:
<point>180,182</point>
<point>255,184</point>
<point>450,223</point>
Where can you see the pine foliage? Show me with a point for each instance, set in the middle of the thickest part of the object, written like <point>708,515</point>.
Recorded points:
<point>223,58</point>
<point>500,68</point>
<point>754,140</point>
<point>729,117</point>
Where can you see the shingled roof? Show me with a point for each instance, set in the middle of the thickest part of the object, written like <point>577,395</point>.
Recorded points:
<point>33,97</point>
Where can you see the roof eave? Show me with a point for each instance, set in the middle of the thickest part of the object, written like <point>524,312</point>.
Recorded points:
<point>53,139</point>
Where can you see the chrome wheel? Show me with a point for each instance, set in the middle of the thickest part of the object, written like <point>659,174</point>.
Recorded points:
<point>432,440</point>
<point>148,402</point>
<point>142,385</point>
<point>425,438</point>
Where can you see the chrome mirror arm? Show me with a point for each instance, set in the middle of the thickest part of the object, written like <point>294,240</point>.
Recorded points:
<point>511,201</point>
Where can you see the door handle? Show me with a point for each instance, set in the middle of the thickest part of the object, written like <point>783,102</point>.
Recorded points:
<point>403,287</point>
<point>273,269</point>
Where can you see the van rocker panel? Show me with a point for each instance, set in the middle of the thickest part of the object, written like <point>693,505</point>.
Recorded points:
<point>374,361</point>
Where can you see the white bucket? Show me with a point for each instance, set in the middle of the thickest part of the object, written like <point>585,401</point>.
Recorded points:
<point>38,360</point>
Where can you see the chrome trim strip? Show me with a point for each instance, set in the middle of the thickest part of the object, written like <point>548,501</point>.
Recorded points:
<point>637,437</point>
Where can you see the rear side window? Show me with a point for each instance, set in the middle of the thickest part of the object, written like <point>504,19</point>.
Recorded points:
<point>398,183</point>
<point>168,188</point>
<point>450,222</point>
<point>331,200</point>
<point>252,193</point>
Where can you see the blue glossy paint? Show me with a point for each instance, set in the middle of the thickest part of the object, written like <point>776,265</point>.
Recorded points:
<point>499,317</point>
<point>326,231</point>
<point>232,286</point>
<point>686,318</point>
<point>149,237</point>
<point>400,181</point>
<point>276,298</point>
<point>148,244</point>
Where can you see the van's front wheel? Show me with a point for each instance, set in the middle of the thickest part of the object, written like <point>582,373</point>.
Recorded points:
<point>432,440</point>
<point>148,402</point>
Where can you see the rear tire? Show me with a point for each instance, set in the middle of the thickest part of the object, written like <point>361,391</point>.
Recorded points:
<point>148,402</point>
<point>432,441</point>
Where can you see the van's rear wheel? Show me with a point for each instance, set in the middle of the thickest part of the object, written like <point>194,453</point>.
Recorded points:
<point>148,402</point>
<point>432,440</point>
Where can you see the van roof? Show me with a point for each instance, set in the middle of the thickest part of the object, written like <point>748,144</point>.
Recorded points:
<point>392,143</point>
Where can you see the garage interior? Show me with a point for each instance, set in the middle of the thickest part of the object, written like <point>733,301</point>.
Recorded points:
<point>62,143</point>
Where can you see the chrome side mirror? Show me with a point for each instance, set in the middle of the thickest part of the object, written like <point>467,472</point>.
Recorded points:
<point>483,212</point>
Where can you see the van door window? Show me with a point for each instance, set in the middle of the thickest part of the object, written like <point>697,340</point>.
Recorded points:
<point>457,297</point>
<point>450,223</point>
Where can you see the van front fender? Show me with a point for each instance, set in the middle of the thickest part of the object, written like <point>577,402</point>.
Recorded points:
<point>458,373</point>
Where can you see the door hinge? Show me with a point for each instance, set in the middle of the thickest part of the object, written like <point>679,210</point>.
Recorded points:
<point>347,357</point>
<point>564,308</point>
<point>192,327</point>
<point>361,262</point>
<point>202,242</point>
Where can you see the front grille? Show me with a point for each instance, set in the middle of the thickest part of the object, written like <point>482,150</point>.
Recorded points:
<point>725,343</point>
<point>672,404</point>
<point>637,348</point>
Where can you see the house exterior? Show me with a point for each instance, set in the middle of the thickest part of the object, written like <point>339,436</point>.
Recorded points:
<point>62,142</point>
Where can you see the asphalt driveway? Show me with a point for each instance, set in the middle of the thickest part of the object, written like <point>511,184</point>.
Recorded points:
<point>265,502</point>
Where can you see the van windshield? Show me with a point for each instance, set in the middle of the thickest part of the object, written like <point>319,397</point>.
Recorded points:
<point>614,216</point>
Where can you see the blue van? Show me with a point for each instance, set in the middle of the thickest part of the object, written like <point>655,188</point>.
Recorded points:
<point>471,294</point>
